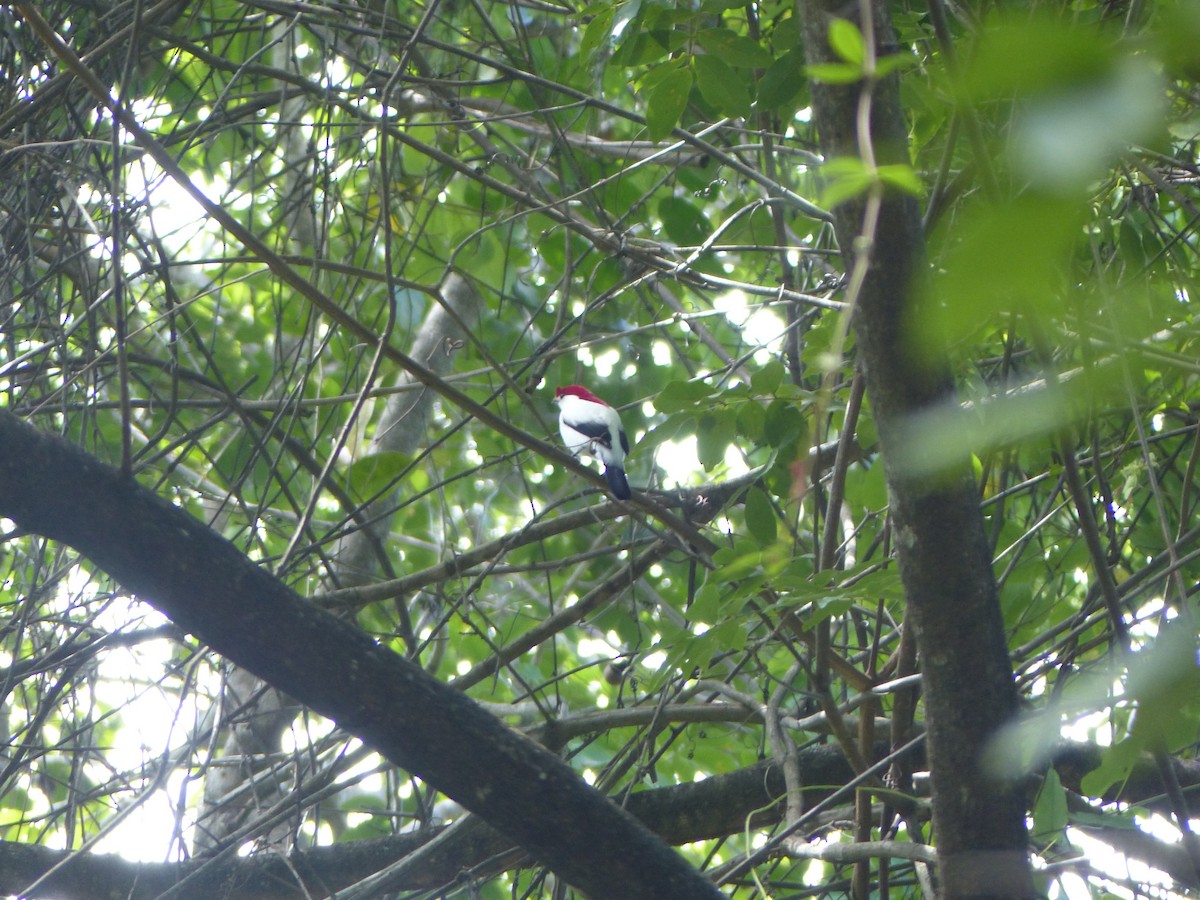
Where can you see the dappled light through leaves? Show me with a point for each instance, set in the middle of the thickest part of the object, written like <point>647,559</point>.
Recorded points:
<point>312,275</point>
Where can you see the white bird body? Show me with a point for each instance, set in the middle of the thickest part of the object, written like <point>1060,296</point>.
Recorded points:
<point>588,424</point>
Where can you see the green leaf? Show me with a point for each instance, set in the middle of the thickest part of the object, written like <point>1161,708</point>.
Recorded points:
<point>689,655</point>
<point>846,177</point>
<point>706,605</point>
<point>901,176</point>
<point>760,517</point>
<point>1115,765</point>
<point>866,489</point>
<point>834,73</point>
<point>751,421</point>
<point>683,222</point>
<point>888,64</point>
<point>730,635</point>
<point>766,380</point>
<point>714,434</point>
<point>1050,810</point>
<point>847,42</point>
<point>826,606</point>
<point>734,49</point>
<point>721,86</point>
<point>655,75</point>
<point>683,396</point>
<point>666,102</point>
<point>368,477</point>
<point>784,423</point>
<point>1124,820</point>
<point>597,32</point>
<point>782,81</point>
<point>626,18</point>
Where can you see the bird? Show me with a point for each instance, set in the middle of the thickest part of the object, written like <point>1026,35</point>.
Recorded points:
<point>588,423</point>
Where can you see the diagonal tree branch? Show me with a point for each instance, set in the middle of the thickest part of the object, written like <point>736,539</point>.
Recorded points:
<point>203,584</point>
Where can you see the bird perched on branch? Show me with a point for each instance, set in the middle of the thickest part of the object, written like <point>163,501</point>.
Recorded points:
<point>587,423</point>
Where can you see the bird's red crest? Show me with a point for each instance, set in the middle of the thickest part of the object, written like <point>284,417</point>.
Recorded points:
<point>575,390</point>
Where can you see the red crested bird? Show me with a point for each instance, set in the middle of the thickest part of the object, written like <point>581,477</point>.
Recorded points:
<point>588,423</point>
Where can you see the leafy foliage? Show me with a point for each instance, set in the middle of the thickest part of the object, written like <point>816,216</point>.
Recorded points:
<point>632,190</point>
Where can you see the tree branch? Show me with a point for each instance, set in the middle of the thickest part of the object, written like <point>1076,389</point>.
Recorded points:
<point>203,584</point>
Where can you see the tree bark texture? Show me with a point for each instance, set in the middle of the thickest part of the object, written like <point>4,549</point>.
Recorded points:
<point>945,564</point>
<point>209,589</point>
<point>716,807</point>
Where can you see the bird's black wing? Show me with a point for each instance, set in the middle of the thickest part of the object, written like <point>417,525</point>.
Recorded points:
<point>596,431</point>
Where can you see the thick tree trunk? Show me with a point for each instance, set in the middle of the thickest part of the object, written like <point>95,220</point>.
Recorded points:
<point>945,565</point>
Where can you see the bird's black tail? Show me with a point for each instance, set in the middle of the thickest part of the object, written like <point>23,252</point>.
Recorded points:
<point>616,481</point>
